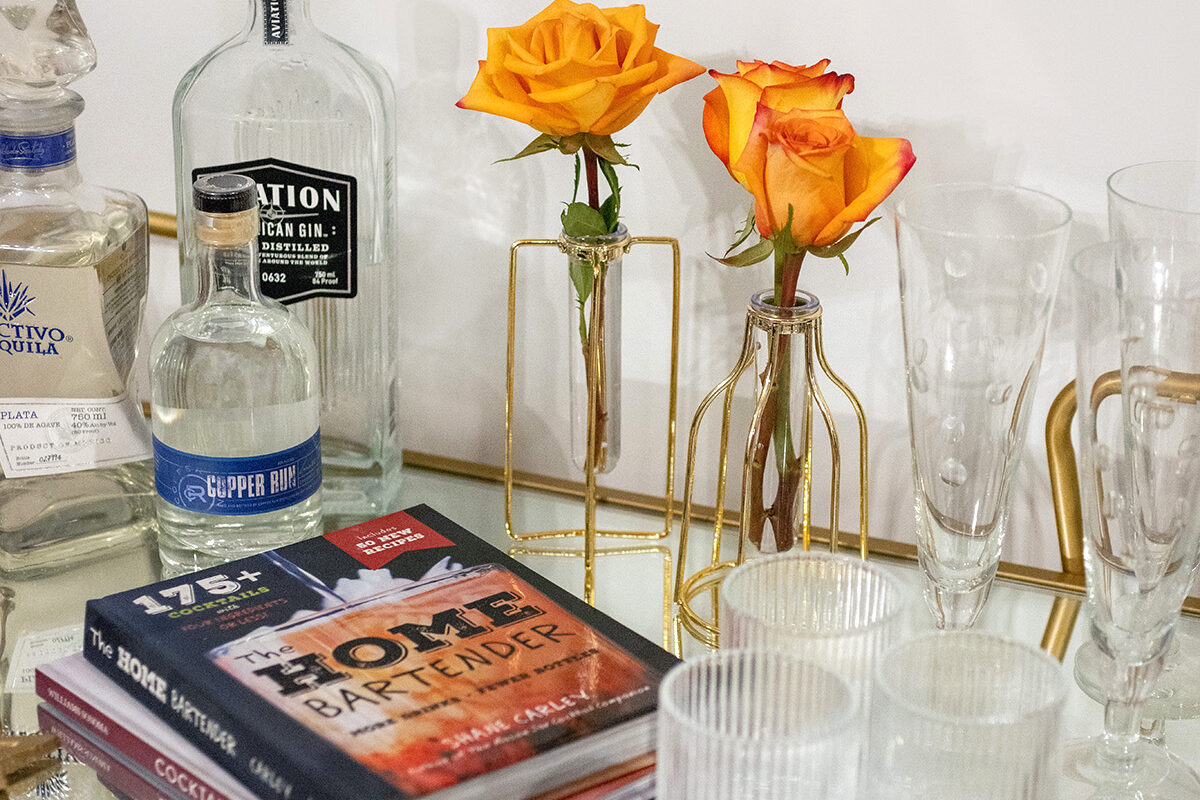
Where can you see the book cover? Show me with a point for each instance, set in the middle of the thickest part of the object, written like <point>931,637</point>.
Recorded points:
<point>113,772</point>
<point>398,658</point>
<point>81,695</point>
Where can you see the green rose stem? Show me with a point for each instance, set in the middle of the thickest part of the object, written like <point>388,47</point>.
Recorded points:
<point>595,369</point>
<point>776,427</point>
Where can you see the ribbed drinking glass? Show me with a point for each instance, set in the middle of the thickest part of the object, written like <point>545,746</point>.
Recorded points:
<point>961,715</point>
<point>755,725</point>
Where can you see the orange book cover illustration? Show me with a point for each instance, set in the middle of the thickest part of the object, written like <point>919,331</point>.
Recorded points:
<point>399,658</point>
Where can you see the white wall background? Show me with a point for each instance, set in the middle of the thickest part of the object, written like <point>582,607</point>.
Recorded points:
<point>1053,95</point>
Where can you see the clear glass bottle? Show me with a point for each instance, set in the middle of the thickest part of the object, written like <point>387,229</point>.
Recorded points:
<point>235,405</point>
<point>74,480</point>
<point>312,121</point>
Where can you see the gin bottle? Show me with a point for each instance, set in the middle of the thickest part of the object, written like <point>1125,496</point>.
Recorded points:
<point>235,405</point>
<point>312,121</point>
<point>74,448</point>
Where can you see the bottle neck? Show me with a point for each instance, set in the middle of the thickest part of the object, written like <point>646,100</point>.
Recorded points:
<point>226,255</point>
<point>278,22</point>
<point>37,141</point>
<point>39,159</point>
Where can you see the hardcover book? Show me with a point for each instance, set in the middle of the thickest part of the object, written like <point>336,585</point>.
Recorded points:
<point>76,692</point>
<point>400,658</point>
<point>113,771</point>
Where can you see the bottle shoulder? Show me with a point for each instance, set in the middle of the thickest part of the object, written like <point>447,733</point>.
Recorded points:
<point>315,77</point>
<point>235,320</point>
<point>53,225</point>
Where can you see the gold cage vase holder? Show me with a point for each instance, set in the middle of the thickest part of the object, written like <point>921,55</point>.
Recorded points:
<point>597,256</point>
<point>804,323</point>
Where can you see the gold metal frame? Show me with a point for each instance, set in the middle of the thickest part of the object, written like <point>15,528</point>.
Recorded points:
<point>1060,453</point>
<point>707,579</point>
<point>592,492</point>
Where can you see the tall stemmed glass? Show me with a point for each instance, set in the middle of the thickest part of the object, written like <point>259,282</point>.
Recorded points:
<point>1137,318</point>
<point>1155,200</point>
<point>979,268</point>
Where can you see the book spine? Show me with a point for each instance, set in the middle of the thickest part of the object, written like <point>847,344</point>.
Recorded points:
<point>245,753</point>
<point>133,747</point>
<point>119,778</point>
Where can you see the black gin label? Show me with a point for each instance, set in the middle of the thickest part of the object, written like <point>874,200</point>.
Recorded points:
<point>308,224</point>
<point>275,22</point>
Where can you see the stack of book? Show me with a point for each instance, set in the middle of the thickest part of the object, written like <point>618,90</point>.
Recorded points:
<point>399,658</point>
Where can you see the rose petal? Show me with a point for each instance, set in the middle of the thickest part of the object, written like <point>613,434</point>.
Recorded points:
<point>824,91</point>
<point>741,101</point>
<point>576,68</point>
<point>873,169</point>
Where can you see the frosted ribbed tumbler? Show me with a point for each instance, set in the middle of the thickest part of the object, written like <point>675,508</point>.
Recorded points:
<point>755,725</point>
<point>837,611</point>
<point>964,716</point>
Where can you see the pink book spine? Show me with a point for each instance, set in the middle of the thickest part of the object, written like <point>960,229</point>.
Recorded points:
<point>112,773</point>
<point>104,729</point>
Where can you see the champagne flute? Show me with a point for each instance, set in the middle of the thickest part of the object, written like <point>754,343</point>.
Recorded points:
<point>979,269</point>
<point>1137,325</point>
<point>1154,200</point>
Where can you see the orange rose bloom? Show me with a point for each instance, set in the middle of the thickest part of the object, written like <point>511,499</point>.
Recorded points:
<point>575,68</point>
<point>814,161</point>
<point>729,110</point>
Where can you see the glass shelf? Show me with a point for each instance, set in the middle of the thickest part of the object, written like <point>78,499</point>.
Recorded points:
<point>633,584</point>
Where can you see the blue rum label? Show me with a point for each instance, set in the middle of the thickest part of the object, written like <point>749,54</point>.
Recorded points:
<point>40,151</point>
<point>238,486</point>
<point>308,229</point>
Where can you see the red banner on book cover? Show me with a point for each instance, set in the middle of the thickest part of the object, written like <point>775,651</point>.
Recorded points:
<point>377,542</point>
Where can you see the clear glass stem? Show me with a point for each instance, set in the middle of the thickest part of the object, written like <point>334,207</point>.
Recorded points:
<point>1118,749</point>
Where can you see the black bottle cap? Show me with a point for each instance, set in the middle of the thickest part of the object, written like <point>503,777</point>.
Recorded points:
<point>224,193</point>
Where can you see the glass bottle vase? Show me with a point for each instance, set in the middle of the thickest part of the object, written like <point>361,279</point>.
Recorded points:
<point>312,121</point>
<point>777,471</point>
<point>594,263</point>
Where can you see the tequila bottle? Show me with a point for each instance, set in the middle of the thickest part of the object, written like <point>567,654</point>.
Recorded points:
<point>235,406</point>
<point>312,121</point>
<point>74,479</point>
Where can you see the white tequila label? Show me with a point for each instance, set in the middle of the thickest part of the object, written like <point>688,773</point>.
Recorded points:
<point>46,436</point>
<point>37,648</point>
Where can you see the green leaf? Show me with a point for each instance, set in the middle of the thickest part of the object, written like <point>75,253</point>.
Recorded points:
<point>784,244</point>
<point>611,207</point>
<point>575,191</point>
<point>606,149</point>
<point>539,145</point>
<point>582,278</point>
<point>752,255</point>
<point>580,219</point>
<point>570,145</point>
<point>836,249</point>
<point>743,233</point>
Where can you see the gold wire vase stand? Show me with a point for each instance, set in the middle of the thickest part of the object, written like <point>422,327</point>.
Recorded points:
<point>597,256</point>
<point>775,331</point>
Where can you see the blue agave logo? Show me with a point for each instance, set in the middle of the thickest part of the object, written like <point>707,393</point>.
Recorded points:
<point>14,299</point>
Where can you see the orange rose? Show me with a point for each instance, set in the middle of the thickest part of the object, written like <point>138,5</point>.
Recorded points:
<point>729,110</point>
<point>814,161</point>
<point>575,68</point>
